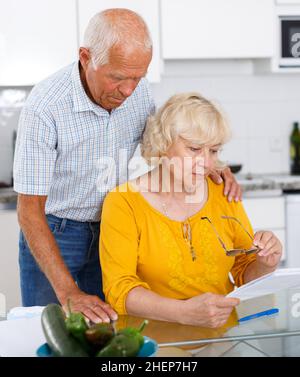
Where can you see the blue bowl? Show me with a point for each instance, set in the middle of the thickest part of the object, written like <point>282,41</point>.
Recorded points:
<point>149,349</point>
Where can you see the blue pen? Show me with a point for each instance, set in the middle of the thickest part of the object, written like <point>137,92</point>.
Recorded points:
<point>260,314</point>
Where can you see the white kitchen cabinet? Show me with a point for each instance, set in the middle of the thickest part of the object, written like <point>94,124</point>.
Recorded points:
<point>9,266</point>
<point>292,229</point>
<point>37,38</point>
<point>287,2</point>
<point>149,10</point>
<point>207,29</point>
<point>268,214</point>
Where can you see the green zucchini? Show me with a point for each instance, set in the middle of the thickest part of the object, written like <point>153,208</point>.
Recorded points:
<point>58,338</point>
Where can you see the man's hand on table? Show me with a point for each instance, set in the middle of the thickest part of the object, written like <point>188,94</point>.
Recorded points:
<point>90,306</point>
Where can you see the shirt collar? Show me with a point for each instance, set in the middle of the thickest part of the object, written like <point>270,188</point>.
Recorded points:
<point>81,101</point>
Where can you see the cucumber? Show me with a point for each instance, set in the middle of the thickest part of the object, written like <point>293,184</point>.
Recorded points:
<point>58,338</point>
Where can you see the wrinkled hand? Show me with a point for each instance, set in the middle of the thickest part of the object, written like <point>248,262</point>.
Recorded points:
<point>271,249</point>
<point>208,310</point>
<point>90,306</point>
<point>231,188</point>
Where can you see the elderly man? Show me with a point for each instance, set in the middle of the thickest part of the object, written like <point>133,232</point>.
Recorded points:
<point>71,121</point>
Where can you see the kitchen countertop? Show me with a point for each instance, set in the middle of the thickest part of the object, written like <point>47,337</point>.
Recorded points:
<point>269,182</point>
<point>8,198</point>
<point>259,184</point>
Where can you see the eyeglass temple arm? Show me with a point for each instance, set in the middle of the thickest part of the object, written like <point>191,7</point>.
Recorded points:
<point>233,218</point>
<point>216,232</point>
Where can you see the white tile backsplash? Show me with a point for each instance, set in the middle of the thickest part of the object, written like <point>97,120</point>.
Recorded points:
<point>263,121</point>
<point>236,152</point>
<point>260,159</point>
<point>238,123</point>
<point>261,108</point>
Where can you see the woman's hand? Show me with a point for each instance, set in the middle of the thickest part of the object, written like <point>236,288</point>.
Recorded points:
<point>271,249</point>
<point>207,310</point>
<point>231,188</point>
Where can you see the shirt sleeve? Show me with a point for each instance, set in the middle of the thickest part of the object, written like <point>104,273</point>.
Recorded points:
<point>241,241</point>
<point>119,241</point>
<point>35,154</point>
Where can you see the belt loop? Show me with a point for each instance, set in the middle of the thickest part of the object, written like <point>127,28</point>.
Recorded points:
<point>62,225</point>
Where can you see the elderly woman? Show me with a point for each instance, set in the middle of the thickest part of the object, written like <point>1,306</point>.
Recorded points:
<point>172,246</point>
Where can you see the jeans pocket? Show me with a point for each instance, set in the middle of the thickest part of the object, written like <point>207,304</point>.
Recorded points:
<point>53,227</point>
<point>22,240</point>
<point>56,225</point>
<point>61,227</point>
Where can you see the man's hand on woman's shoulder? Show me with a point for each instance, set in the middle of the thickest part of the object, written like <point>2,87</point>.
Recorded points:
<point>232,189</point>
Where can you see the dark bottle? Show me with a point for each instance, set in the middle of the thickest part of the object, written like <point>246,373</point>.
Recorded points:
<point>295,149</point>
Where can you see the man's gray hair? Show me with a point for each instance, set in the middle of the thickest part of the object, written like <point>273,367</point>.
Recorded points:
<point>112,27</point>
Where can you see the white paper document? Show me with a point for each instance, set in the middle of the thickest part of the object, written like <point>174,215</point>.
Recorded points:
<point>278,280</point>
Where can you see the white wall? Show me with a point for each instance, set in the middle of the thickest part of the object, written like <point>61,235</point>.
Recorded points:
<point>261,107</point>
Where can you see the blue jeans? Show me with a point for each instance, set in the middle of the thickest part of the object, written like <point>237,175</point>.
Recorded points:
<point>79,247</point>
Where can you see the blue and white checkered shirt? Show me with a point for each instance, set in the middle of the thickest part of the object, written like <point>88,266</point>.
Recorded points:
<point>66,144</point>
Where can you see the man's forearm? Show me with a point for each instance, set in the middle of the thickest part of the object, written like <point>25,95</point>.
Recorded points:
<point>47,254</point>
<point>145,303</point>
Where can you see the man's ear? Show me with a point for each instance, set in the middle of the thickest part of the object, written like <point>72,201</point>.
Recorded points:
<point>84,57</point>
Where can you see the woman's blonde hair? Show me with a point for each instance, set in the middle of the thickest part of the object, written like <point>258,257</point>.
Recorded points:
<point>186,115</point>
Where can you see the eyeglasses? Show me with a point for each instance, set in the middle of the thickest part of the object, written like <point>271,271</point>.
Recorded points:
<point>232,252</point>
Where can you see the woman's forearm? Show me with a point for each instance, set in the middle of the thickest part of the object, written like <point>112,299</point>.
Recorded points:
<point>145,303</point>
<point>256,270</point>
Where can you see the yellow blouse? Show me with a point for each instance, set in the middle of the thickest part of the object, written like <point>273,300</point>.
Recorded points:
<point>139,246</point>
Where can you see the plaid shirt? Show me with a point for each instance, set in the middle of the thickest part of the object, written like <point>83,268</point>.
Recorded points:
<point>64,141</point>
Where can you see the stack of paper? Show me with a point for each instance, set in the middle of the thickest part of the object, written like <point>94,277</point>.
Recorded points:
<point>25,312</point>
<point>21,337</point>
<point>278,280</point>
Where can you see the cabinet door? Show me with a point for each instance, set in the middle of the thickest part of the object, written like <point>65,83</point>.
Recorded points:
<point>265,213</point>
<point>287,2</point>
<point>9,266</point>
<point>281,235</point>
<point>207,29</point>
<point>149,10</point>
<point>37,38</point>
